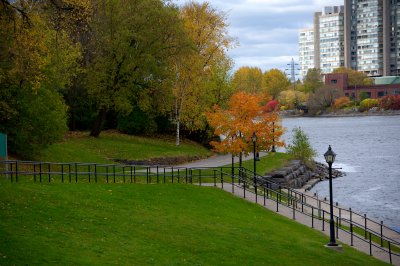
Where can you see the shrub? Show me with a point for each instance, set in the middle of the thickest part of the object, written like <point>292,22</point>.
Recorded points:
<point>367,104</point>
<point>301,148</point>
<point>390,102</point>
<point>342,102</point>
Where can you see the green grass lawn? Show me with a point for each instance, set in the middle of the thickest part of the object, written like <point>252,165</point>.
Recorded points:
<point>110,145</point>
<point>102,224</point>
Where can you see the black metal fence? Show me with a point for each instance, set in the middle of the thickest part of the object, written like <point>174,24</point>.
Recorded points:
<point>358,226</point>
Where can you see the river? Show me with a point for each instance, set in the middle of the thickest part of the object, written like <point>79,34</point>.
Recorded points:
<point>368,150</point>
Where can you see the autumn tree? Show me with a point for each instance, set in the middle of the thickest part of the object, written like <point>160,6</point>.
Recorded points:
<point>291,99</point>
<point>354,77</point>
<point>197,69</point>
<point>243,116</point>
<point>248,79</point>
<point>275,81</point>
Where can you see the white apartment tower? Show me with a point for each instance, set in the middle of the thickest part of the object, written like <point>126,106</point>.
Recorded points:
<point>362,34</point>
<point>306,50</point>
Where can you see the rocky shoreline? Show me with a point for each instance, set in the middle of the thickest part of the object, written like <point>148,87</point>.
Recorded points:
<point>298,175</point>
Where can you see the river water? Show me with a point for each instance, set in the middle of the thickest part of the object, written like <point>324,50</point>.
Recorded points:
<point>368,150</point>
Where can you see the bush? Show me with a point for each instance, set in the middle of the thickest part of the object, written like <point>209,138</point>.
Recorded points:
<point>390,102</point>
<point>38,119</point>
<point>301,148</point>
<point>367,104</point>
<point>342,102</point>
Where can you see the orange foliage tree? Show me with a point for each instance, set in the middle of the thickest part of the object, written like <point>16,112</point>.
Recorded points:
<point>245,114</point>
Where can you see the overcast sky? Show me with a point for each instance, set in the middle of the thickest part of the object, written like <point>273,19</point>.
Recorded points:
<point>267,30</point>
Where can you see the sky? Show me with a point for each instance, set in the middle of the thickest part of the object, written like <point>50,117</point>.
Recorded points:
<point>267,30</point>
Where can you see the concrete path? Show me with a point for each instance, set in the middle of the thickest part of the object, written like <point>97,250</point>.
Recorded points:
<point>218,160</point>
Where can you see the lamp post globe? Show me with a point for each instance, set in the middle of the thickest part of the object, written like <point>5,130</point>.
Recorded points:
<point>330,158</point>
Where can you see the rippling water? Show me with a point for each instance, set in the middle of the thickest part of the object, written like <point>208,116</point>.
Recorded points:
<point>368,150</point>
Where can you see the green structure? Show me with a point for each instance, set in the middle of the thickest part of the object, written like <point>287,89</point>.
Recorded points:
<point>3,145</point>
<point>387,80</point>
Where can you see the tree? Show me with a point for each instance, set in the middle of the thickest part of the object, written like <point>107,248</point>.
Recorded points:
<point>322,99</point>
<point>240,120</point>
<point>197,69</point>
<point>301,148</point>
<point>312,80</point>
<point>37,62</point>
<point>291,99</point>
<point>248,79</point>
<point>354,77</point>
<point>275,81</point>
<point>132,46</point>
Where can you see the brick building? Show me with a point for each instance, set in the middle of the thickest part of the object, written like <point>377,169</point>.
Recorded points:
<point>340,81</point>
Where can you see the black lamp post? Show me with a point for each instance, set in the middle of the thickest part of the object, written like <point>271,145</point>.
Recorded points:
<point>330,158</point>
<point>273,137</point>
<point>254,139</point>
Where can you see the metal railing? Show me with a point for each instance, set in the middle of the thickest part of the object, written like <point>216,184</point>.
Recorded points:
<point>347,221</point>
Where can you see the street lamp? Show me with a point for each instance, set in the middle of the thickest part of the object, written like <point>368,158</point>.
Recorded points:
<point>273,137</point>
<point>330,158</point>
<point>254,139</point>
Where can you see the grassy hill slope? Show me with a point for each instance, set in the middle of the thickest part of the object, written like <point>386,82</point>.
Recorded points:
<point>111,145</point>
<point>95,224</point>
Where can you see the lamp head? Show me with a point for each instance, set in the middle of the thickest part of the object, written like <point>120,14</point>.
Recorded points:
<point>329,155</point>
<point>254,137</point>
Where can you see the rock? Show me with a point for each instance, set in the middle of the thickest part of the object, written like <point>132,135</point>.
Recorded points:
<point>297,174</point>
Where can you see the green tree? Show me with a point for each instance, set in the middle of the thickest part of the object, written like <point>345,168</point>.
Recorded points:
<point>354,77</point>
<point>132,45</point>
<point>312,80</point>
<point>275,81</point>
<point>300,148</point>
<point>37,62</point>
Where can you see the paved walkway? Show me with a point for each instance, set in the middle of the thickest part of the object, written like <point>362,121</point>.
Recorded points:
<point>218,160</point>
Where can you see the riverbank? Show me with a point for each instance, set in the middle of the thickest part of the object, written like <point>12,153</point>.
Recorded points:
<point>341,113</point>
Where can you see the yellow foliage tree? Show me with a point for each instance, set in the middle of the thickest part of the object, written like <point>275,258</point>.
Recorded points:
<point>248,79</point>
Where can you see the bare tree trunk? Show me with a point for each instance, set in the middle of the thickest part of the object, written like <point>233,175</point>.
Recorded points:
<point>98,124</point>
<point>177,132</point>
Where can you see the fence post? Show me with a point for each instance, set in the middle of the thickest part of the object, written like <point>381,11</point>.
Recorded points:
<point>390,252</point>
<point>114,172</point>
<point>337,227</point>
<point>370,244</point>
<point>95,173</point>
<point>158,179</point>
<point>134,174</point>
<point>312,216</point>
<point>351,227</point>
<point>323,220</point>
<point>215,178</point>
<point>123,173</point>
<point>365,225</point>
<point>381,234</point>
<point>264,194</point>
<point>48,170</point>
<point>69,172</point>
<point>107,173</point>
<point>172,171</point>
<point>16,171</point>
<point>76,173</point>
<point>62,172</point>
<point>89,171</point>
<point>34,170</point>
<point>277,201</point>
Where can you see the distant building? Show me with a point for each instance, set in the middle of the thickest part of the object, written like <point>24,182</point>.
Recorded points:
<point>306,50</point>
<point>383,86</point>
<point>362,35</point>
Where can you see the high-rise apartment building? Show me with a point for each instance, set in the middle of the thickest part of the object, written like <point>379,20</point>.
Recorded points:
<point>306,50</point>
<point>362,34</point>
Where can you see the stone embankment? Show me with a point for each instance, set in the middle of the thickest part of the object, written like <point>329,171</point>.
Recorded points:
<point>297,175</point>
